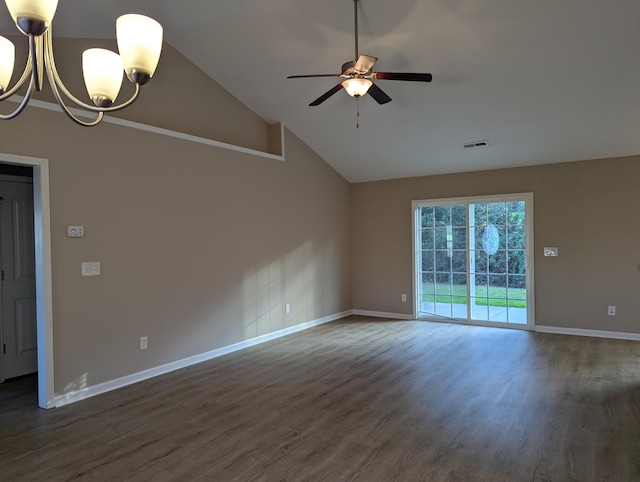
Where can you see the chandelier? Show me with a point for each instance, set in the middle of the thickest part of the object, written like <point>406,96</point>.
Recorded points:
<point>139,41</point>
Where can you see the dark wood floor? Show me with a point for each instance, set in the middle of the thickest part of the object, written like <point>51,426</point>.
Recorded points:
<point>358,399</point>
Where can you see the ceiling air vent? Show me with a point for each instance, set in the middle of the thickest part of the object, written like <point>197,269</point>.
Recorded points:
<point>471,145</point>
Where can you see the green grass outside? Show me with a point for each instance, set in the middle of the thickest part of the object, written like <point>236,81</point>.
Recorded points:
<point>491,295</point>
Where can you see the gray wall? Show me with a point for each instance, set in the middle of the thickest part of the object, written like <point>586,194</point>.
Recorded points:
<point>589,209</point>
<point>200,247</point>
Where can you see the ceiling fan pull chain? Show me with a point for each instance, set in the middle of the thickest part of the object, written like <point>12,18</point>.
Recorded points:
<point>357,114</point>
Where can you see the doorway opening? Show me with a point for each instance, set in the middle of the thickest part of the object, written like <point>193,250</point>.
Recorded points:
<point>34,222</point>
<point>473,260</point>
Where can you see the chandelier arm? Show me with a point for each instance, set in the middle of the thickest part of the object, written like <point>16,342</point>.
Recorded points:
<point>54,79</point>
<point>28,71</point>
<point>56,93</point>
<point>23,104</point>
<point>67,111</point>
<point>36,54</point>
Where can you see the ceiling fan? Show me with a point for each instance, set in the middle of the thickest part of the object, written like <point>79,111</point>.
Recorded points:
<point>358,75</point>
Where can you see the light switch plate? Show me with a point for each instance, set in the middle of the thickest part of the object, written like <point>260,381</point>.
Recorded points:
<point>75,231</point>
<point>91,268</point>
<point>551,251</point>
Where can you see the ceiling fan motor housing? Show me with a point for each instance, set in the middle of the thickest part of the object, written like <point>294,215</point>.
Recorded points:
<point>348,69</point>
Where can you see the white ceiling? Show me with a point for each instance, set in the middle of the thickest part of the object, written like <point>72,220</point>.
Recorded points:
<point>543,81</point>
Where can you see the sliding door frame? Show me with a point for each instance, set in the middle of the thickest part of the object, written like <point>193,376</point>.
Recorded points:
<point>416,260</point>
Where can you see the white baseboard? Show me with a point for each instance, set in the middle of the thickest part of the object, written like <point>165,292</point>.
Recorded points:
<point>594,333</point>
<point>381,314</point>
<point>77,395</point>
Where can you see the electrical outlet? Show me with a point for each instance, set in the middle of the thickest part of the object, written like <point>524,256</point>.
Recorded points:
<point>287,308</point>
<point>143,342</point>
<point>611,311</point>
<point>404,298</point>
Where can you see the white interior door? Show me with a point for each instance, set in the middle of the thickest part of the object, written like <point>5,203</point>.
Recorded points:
<point>18,321</point>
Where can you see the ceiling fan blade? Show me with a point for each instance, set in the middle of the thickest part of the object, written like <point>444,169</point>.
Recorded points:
<point>312,75</point>
<point>326,95</point>
<point>410,76</point>
<point>364,63</point>
<point>378,94</point>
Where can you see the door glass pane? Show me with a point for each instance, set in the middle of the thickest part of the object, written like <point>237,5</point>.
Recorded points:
<point>443,238</point>
<point>427,296</point>
<point>497,297</point>
<point>480,215</point>
<point>459,262</point>
<point>443,284</point>
<point>459,238</point>
<point>517,288</point>
<point>478,290</point>
<point>515,212</point>
<point>443,306</point>
<point>517,261</point>
<point>426,217</point>
<point>427,261</point>
<point>498,262</point>
<point>516,237</point>
<point>459,216</point>
<point>517,315</point>
<point>442,216</point>
<point>443,261</point>
<point>459,295</point>
<point>499,242</point>
<point>496,214</point>
<point>427,239</point>
<point>443,241</point>
<point>479,262</point>
<point>479,309</point>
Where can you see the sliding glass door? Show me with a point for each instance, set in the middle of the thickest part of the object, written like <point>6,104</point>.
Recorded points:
<point>472,260</point>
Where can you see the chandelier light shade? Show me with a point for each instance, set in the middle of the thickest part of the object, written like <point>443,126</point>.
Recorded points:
<point>102,70</point>
<point>7,59</point>
<point>32,16</point>
<point>139,41</point>
<point>356,87</point>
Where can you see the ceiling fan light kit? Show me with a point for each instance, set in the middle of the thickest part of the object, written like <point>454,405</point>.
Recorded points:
<point>358,74</point>
<point>356,87</point>
<point>139,43</point>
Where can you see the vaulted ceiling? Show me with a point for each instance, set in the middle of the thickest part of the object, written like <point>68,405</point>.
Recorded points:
<point>545,81</point>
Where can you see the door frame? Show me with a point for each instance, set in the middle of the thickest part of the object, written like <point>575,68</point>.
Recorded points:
<point>528,197</point>
<point>44,297</point>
